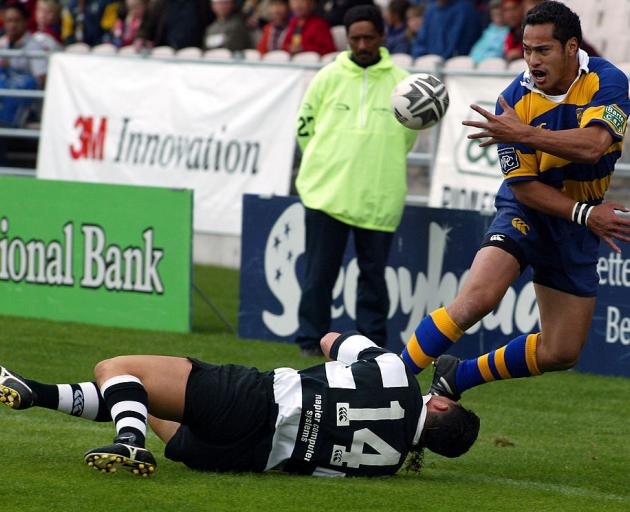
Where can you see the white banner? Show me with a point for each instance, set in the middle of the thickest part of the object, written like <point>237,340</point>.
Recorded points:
<point>221,130</point>
<point>466,176</point>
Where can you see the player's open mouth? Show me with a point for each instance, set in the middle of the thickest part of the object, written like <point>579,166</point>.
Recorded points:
<point>539,76</point>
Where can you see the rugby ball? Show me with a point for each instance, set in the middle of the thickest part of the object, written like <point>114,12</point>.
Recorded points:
<point>419,101</point>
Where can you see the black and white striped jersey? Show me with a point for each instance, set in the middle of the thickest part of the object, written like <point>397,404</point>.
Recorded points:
<point>358,415</point>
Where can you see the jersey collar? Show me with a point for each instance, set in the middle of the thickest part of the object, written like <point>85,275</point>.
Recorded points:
<point>528,83</point>
<point>423,418</point>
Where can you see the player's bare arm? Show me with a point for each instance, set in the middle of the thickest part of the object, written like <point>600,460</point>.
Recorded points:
<point>551,201</point>
<point>326,343</point>
<point>581,145</point>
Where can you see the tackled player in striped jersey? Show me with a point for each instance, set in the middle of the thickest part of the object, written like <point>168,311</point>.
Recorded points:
<point>360,414</point>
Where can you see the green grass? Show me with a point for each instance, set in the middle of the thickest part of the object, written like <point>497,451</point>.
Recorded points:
<point>557,442</point>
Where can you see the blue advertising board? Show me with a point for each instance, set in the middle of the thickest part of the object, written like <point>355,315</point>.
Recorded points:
<point>430,256</point>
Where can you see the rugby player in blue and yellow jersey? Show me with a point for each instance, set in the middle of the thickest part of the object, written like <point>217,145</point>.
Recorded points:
<point>559,128</point>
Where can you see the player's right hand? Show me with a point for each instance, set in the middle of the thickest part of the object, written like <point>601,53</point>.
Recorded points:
<point>609,226</point>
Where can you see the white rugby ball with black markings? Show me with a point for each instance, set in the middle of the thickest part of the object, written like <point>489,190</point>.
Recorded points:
<point>419,101</point>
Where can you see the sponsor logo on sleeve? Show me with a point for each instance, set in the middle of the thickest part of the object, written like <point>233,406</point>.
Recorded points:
<point>616,118</point>
<point>509,160</point>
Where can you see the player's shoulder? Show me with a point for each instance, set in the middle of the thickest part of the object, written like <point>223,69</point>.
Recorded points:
<point>606,71</point>
<point>517,89</point>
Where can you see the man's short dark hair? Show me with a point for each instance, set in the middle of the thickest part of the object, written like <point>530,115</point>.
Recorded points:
<point>370,13</point>
<point>451,433</point>
<point>21,8</point>
<point>566,24</point>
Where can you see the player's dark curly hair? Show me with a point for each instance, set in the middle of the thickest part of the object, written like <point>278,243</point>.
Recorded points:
<point>450,433</point>
<point>566,24</point>
<point>367,12</point>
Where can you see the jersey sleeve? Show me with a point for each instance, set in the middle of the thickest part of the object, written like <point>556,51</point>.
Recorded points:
<point>352,346</point>
<point>307,114</point>
<point>609,106</point>
<point>518,161</point>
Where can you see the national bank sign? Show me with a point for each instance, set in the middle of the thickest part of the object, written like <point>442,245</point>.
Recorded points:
<point>110,255</point>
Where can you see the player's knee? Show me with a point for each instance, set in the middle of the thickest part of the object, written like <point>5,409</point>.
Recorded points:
<point>108,368</point>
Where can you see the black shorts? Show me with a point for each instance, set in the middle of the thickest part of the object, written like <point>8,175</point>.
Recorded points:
<point>229,419</point>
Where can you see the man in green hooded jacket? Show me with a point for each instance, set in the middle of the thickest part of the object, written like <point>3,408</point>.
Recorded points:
<point>352,177</point>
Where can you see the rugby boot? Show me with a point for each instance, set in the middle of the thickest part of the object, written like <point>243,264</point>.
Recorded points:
<point>443,383</point>
<point>14,392</point>
<point>122,454</point>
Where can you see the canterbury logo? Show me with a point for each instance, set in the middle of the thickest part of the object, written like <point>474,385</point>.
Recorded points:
<point>520,225</point>
<point>343,414</point>
<point>78,403</point>
<point>337,456</point>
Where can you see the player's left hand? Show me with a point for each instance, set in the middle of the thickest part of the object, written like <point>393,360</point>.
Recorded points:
<point>506,127</point>
<point>608,226</point>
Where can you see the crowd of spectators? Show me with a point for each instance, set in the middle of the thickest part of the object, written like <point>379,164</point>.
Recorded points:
<point>480,28</point>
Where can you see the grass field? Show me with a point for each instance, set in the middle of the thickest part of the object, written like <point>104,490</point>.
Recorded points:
<point>558,442</point>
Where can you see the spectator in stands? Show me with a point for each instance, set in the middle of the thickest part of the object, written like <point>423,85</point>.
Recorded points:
<point>352,177</point>
<point>128,23</point>
<point>88,21</point>
<point>48,18</point>
<point>174,23</point>
<point>18,37</point>
<point>450,28</point>
<point>229,29</point>
<point>396,28</point>
<point>257,13</point>
<point>415,18</point>
<point>513,17</point>
<point>338,8</point>
<point>275,31</point>
<point>491,43</point>
<point>307,32</point>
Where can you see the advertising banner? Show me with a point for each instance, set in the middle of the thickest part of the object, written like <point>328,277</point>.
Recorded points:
<point>431,253</point>
<point>100,254</point>
<point>466,176</point>
<point>221,130</point>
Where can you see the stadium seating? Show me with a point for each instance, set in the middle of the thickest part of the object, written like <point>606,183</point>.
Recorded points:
<point>162,51</point>
<point>306,58</point>
<point>329,57</point>
<point>105,49</point>
<point>128,50</point>
<point>191,52</point>
<point>251,54</point>
<point>428,62</point>
<point>78,48</point>
<point>494,64</point>
<point>218,54</point>
<point>460,62</point>
<point>277,56</point>
<point>403,60</point>
<point>339,37</point>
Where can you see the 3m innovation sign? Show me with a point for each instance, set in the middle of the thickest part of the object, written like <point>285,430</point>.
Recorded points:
<point>101,254</point>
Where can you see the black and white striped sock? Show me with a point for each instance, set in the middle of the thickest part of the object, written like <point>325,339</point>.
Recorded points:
<point>82,400</point>
<point>127,401</point>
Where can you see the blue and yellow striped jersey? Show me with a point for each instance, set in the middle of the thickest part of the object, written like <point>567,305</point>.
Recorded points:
<point>599,95</point>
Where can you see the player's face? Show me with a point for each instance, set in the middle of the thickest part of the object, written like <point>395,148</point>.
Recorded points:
<point>553,66</point>
<point>364,41</point>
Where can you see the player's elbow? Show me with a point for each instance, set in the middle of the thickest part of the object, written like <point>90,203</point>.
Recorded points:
<point>593,154</point>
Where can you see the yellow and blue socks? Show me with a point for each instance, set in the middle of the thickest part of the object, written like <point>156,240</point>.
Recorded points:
<point>514,360</point>
<point>434,335</point>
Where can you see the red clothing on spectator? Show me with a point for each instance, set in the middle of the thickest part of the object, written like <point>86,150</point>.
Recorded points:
<point>314,32</point>
<point>514,40</point>
<point>272,38</point>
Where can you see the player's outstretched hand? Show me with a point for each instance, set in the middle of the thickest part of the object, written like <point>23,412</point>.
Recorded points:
<point>506,127</point>
<point>609,226</point>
